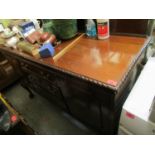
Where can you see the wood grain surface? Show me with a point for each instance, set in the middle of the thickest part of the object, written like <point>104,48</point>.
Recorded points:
<point>106,61</point>
<point>102,60</point>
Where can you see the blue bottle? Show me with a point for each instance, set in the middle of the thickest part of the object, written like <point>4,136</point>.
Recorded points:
<point>91,28</point>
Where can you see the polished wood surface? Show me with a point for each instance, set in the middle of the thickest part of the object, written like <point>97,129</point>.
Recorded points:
<point>105,61</point>
<point>66,49</point>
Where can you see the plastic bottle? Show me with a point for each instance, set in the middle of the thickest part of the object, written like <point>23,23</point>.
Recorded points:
<point>91,28</point>
<point>103,28</point>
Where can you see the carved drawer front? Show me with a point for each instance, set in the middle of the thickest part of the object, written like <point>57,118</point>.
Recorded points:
<point>41,72</point>
<point>30,69</point>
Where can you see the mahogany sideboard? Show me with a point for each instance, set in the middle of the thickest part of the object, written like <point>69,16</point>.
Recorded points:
<point>88,78</point>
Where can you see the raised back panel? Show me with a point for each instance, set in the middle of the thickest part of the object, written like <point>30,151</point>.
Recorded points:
<point>136,27</point>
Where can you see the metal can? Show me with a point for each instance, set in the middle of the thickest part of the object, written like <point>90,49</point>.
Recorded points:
<point>28,48</point>
<point>103,28</point>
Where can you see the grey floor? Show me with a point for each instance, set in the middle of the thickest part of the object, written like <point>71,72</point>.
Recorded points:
<point>42,115</point>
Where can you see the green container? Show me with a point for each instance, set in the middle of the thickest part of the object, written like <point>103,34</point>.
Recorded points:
<point>63,28</point>
<point>47,25</point>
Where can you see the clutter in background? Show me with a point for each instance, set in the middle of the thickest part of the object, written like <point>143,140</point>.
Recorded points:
<point>30,37</point>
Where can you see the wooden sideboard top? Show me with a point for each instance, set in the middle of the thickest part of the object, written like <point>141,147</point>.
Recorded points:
<point>106,61</point>
<point>102,60</point>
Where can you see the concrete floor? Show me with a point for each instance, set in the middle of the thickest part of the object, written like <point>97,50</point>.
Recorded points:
<point>43,116</point>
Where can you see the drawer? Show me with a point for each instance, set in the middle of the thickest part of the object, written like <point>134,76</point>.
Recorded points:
<point>38,71</point>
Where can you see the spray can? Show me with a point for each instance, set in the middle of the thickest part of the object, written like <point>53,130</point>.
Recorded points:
<point>103,28</point>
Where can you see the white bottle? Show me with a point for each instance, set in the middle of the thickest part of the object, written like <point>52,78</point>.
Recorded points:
<point>103,28</point>
<point>36,23</point>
